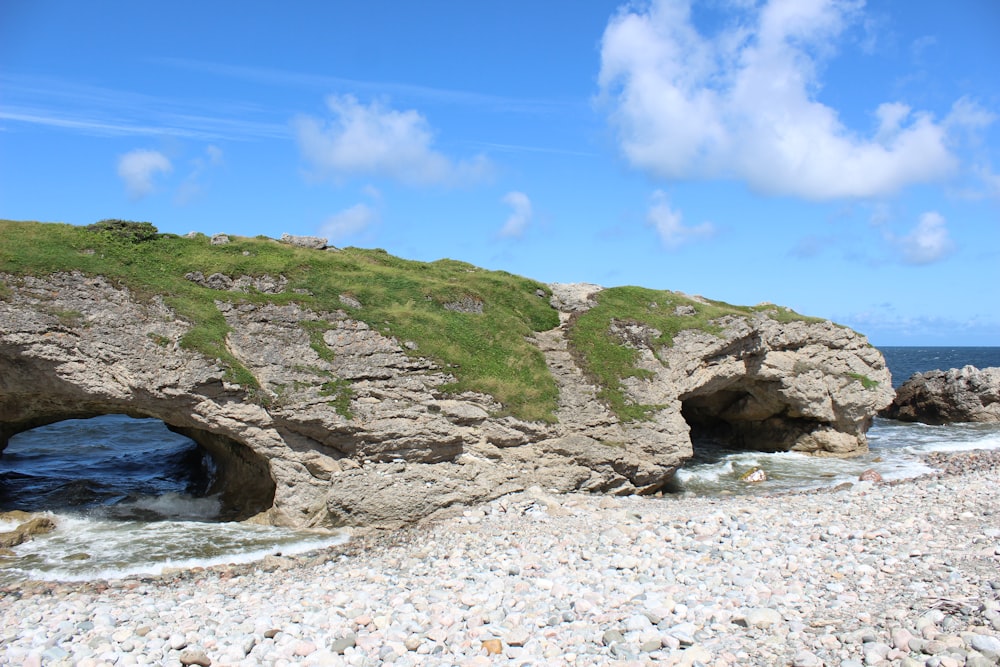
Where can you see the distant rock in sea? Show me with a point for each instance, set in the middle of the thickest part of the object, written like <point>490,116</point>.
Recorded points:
<point>966,394</point>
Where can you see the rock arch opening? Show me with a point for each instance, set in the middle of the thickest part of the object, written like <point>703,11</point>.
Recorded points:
<point>126,467</point>
<point>742,418</point>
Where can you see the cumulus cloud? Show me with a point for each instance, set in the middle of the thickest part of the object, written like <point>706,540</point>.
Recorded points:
<point>350,221</point>
<point>520,215</point>
<point>372,139</point>
<point>742,104</point>
<point>669,223</point>
<point>139,168</point>
<point>928,242</point>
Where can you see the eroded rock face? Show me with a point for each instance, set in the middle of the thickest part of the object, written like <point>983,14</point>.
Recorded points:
<point>350,427</point>
<point>799,386</point>
<point>966,394</point>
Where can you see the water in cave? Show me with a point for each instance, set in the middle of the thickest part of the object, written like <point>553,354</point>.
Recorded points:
<point>114,466</point>
<point>128,497</point>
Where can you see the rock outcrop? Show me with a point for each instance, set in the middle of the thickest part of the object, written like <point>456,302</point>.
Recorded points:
<point>355,428</point>
<point>314,242</point>
<point>966,394</point>
<point>760,384</point>
<point>27,526</point>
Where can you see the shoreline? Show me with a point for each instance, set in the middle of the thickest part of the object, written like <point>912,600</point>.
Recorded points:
<point>874,574</point>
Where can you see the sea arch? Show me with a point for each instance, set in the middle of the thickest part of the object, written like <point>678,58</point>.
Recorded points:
<point>242,477</point>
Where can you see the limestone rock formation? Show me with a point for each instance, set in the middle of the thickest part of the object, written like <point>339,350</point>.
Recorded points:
<point>354,427</point>
<point>966,394</point>
<point>761,384</point>
<point>314,242</point>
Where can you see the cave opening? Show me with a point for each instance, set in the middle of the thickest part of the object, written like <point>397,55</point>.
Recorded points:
<point>713,431</point>
<point>723,425</point>
<point>120,467</point>
<point>741,419</point>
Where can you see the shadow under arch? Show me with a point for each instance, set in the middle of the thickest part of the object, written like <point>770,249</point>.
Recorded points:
<point>742,418</point>
<point>239,477</point>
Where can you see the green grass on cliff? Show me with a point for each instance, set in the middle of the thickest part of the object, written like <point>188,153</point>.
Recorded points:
<point>485,351</point>
<point>604,356</point>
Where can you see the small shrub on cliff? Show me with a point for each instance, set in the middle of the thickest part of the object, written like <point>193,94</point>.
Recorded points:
<point>125,230</point>
<point>865,381</point>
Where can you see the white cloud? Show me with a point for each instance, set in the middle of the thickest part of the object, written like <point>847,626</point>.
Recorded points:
<point>355,219</point>
<point>669,223</point>
<point>138,168</point>
<point>928,242</point>
<point>742,104</point>
<point>520,215</point>
<point>350,221</point>
<point>375,140</point>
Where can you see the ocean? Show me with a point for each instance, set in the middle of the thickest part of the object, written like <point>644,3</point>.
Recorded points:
<point>130,496</point>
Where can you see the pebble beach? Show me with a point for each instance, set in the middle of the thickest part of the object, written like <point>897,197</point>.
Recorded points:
<point>904,573</point>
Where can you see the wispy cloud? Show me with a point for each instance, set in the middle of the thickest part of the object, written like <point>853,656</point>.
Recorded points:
<point>290,78</point>
<point>742,104</point>
<point>521,148</point>
<point>103,111</point>
<point>883,324</point>
<point>810,247</point>
<point>194,184</point>
<point>520,215</point>
<point>669,223</point>
<point>138,169</point>
<point>375,140</point>
<point>990,180</point>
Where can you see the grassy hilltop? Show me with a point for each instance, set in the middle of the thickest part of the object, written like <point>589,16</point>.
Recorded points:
<point>486,351</point>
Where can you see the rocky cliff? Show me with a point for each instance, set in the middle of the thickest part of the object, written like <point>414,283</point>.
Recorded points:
<point>332,421</point>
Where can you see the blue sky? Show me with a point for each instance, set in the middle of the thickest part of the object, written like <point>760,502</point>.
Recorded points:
<point>839,158</point>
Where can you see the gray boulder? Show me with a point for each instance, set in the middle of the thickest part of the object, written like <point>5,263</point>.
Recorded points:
<point>314,242</point>
<point>966,394</point>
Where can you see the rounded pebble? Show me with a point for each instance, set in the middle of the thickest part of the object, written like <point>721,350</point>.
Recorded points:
<point>886,574</point>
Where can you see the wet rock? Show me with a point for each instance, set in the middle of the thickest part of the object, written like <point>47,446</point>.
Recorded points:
<point>967,394</point>
<point>26,531</point>
<point>870,475</point>
<point>754,475</point>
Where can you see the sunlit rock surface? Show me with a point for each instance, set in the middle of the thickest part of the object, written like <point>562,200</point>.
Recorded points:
<point>304,451</point>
